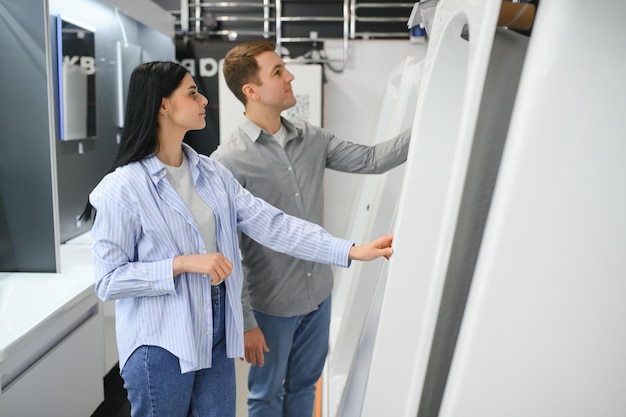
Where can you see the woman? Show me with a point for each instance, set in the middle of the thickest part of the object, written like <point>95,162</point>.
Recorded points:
<point>165,242</point>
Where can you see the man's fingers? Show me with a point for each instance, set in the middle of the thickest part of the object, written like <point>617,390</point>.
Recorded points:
<point>260,358</point>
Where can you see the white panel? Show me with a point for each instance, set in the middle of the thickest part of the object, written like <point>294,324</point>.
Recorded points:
<point>128,57</point>
<point>445,121</point>
<point>543,330</point>
<point>373,215</point>
<point>351,386</point>
<point>497,101</point>
<point>74,103</point>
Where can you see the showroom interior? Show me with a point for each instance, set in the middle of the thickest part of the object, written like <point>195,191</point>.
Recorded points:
<point>505,290</point>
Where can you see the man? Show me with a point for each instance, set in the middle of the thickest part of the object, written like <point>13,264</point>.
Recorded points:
<point>286,301</point>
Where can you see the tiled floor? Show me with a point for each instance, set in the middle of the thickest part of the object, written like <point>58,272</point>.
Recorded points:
<point>241,369</point>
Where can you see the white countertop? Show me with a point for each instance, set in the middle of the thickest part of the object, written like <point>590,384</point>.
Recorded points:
<point>30,301</point>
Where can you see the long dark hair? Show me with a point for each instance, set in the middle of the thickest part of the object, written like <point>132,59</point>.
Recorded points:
<point>149,84</point>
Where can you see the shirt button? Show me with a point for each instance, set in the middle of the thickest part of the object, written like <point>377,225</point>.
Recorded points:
<point>288,168</point>
<point>308,274</point>
<point>297,194</point>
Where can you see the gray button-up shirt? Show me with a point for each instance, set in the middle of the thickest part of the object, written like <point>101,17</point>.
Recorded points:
<point>292,178</point>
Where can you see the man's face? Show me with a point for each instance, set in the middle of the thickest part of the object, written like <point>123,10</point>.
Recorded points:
<point>275,82</point>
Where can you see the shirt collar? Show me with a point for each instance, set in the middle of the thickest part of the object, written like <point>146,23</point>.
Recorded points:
<point>254,132</point>
<point>156,169</point>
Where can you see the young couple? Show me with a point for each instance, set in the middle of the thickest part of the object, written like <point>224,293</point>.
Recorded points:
<point>211,259</point>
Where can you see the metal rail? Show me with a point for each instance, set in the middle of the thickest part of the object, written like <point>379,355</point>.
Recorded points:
<point>193,14</point>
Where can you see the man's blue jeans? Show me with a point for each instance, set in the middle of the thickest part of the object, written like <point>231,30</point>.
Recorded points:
<point>285,385</point>
<point>156,388</point>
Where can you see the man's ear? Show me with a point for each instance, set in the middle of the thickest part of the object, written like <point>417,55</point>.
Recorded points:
<point>249,90</point>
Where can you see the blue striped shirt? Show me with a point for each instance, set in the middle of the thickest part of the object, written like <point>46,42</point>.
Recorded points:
<point>142,223</point>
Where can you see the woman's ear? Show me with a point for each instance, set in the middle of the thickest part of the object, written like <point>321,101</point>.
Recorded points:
<point>163,108</point>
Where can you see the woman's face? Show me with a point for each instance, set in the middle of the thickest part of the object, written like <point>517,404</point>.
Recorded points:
<point>185,108</point>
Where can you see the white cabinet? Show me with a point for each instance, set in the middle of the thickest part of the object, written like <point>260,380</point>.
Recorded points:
<point>51,351</point>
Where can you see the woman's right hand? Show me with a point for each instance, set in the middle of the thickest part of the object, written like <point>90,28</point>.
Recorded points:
<point>370,251</point>
<point>214,265</point>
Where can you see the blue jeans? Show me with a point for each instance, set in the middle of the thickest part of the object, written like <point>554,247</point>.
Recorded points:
<point>156,388</point>
<point>285,385</point>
